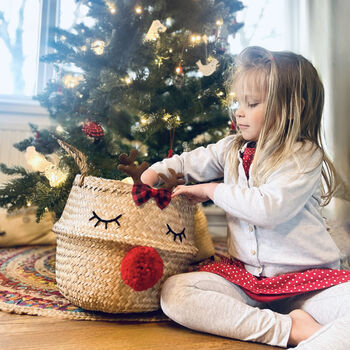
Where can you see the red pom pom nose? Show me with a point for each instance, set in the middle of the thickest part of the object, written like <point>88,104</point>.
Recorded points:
<point>141,268</point>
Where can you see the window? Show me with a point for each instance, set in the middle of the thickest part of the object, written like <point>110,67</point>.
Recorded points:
<point>267,23</point>
<point>21,32</point>
<point>24,26</point>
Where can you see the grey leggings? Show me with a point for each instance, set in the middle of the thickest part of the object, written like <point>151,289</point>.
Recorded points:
<point>206,302</point>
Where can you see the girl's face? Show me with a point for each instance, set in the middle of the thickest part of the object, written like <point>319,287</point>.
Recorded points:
<point>251,111</point>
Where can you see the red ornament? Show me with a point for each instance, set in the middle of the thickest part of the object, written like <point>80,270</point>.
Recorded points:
<point>141,268</point>
<point>170,153</point>
<point>93,129</point>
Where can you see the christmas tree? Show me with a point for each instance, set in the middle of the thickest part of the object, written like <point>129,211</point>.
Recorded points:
<point>148,75</point>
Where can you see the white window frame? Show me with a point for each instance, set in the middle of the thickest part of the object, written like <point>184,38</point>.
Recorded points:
<point>12,105</point>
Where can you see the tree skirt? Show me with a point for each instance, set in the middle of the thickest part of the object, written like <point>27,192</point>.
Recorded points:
<point>28,286</point>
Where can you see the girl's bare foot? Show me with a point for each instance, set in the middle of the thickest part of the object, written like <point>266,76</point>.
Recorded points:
<point>303,326</point>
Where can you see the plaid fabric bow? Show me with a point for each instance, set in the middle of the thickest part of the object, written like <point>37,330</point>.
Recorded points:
<point>141,193</point>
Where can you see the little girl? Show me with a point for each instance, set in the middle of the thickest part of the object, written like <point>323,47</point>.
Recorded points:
<point>282,285</point>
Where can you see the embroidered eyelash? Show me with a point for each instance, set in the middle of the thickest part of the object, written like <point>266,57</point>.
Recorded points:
<point>106,222</point>
<point>176,235</point>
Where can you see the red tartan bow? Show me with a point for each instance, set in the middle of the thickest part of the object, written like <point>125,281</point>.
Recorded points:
<point>141,193</point>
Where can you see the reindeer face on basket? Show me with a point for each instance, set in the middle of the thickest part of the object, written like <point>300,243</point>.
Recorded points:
<point>146,217</point>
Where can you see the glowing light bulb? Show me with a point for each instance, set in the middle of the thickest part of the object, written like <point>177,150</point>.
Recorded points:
<point>59,129</point>
<point>111,7</point>
<point>219,22</point>
<point>179,70</point>
<point>138,10</point>
<point>166,116</point>
<point>98,46</point>
<point>55,176</point>
<point>128,80</point>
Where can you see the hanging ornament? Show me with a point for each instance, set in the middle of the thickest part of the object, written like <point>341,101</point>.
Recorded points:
<point>155,28</point>
<point>38,162</point>
<point>94,130</point>
<point>207,69</point>
<point>98,47</point>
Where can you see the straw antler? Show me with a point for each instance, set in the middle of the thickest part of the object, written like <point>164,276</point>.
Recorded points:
<point>78,156</point>
<point>173,180</point>
<point>128,166</point>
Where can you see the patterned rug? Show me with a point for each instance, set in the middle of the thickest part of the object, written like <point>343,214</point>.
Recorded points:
<point>28,286</point>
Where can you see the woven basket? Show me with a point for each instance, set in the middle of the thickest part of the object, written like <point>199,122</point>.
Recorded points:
<point>92,248</point>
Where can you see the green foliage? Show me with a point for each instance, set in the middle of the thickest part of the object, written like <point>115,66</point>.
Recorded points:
<point>159,108</point>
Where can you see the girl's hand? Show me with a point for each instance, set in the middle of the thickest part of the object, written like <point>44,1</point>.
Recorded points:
<point>150,177</point>
<point>196,193</point>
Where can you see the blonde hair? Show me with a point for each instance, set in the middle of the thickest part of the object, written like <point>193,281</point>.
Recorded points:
<point>294,96</point>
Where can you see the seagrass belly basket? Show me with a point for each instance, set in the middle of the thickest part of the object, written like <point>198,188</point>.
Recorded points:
<point>117,242</point>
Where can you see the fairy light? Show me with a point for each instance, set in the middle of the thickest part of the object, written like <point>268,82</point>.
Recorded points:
<point>128,80</point>
<point>178,70</point>
<point>111,7</point>
<point>166,117</point>
<point>55,176</point>
<point>29,204</point>
<point>63,38</point>
<point>195,38</point>
<point>83,48</point>
<point>143,121</point>
<point>138,10</point>
<point>59,129</point>
<point>98,47</point>
<point>219,22</point>
<point>70,81</point>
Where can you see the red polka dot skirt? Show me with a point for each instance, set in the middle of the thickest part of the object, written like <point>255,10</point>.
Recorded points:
<point>266,289</point>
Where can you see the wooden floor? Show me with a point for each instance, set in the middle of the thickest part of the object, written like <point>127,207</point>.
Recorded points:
<point>22,332</point>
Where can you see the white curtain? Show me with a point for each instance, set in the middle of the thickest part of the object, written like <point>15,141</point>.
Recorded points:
<point>323,36</point>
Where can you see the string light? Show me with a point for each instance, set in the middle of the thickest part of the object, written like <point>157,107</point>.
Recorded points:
<point>138,10</point>
<point>98,47</point>
<point>179,70</point>
<point>219,22</point>
<point>71,81</point>
<point>55,175</point>
<point>63,38</point>
<point>196,39</point>
<point>83,48</point>
<point>127,80</point>
<point>166,117</point>
<point>111,7</point>
<point>59,129</point>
